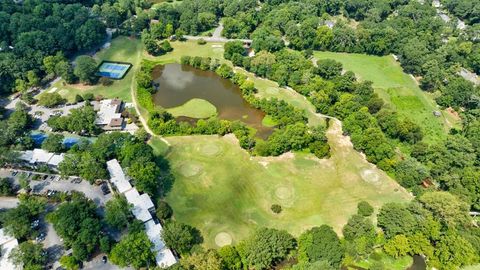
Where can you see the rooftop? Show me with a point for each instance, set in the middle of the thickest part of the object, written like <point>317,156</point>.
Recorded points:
<point>117,176</point>
<point>141,204</point>
<point>7,243</point>
<point>41,156</point>
<point>109,109</point>
<point>163,255</point>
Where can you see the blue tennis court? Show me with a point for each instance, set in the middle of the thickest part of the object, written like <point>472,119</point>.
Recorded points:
<point>113,70</point>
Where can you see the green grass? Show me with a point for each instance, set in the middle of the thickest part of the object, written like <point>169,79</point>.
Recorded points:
<point>390,263</point>
<point>398,90</point>
<point>268,121</point>
<point>122,49</point>
<point>220,188</point>
<point>194,108</point>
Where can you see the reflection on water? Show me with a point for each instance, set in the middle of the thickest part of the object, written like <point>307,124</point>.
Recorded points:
<point>178,84</point>
<point>418,263</point>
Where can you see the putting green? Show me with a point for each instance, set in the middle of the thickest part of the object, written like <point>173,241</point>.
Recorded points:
<point>220,188</point>
<point>268,121</point>
<point>194,108</point>
<point>190,169</point>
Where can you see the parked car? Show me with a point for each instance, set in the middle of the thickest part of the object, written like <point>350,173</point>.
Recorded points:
<point>40,237</point>
<point>105,189</point>
<point>104,259</point>
<point>35,224</point>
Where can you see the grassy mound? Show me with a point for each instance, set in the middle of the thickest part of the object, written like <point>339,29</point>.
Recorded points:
<point>194,108</point>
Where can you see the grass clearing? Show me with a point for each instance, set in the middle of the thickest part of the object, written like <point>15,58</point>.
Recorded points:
<point>122,49</point>
<point>194,108</point>
<point>268,121</point>
<point>231,200</point>
<point>398,90</point>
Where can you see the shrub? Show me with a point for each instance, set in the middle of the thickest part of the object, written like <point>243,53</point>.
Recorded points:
<point>106,81</point>
<point>364,209</point>
<point>277,209</point>
<point>201,41</point>
<point>164,211</point>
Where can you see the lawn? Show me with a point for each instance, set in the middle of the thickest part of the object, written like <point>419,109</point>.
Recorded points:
<point>194,108</point>
<point>398,89</point>
<point>228,201</point>
<point>122,49</point>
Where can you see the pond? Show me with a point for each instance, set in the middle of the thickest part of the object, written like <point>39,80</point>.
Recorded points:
<point>178,84</point>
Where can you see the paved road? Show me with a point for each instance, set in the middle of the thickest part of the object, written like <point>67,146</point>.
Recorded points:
<point>215,39</point>
<point>217,33</point>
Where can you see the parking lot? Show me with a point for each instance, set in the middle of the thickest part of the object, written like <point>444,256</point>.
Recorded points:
<point>47,183</point>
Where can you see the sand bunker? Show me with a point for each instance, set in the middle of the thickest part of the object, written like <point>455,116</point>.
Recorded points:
<point>190,169</point>
<point>223,239</point>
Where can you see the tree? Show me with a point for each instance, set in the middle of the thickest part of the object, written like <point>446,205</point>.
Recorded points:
<point>77,223</point>
<point>50,100</point>
<point>208,260</point>
<point>28,255</point>
<point>394,218</point>
<point>328,68</point>
<point>69,262</point>
<point>265,248</point>
<point>447,208</point>
<point>320,243</point>
<point>133,250</point>
<point>164,211</point>
<point>398,246</point>
<point>453,251</point>
<point>53,143</point>
<point>118,212</point>
<point>230,257</point>
<point>17,221</point>
<point>364,209</point>
<point>6,187</point>
<point>91,33</point>
<point>146,176</point>
<point>85,69</point>
<point>180,237</point>
<point>234,48</point>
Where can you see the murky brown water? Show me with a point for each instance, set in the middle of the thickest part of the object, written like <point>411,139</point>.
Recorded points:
<point>178,84</point>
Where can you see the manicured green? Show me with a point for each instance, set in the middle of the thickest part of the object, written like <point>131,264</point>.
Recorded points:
<point>220,189</point>
<point>268,121</point>
<point>391,263</point>
<point>194,108</point>
<point>122,49</point>
<point>398,89</point>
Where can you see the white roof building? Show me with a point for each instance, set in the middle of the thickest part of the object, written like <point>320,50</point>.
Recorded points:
<point>41,156</point>
<point>7,243</point>
<point>117,176</point>
<point>109,110</point>
<point>164,256</point>
<point>142,204</point>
